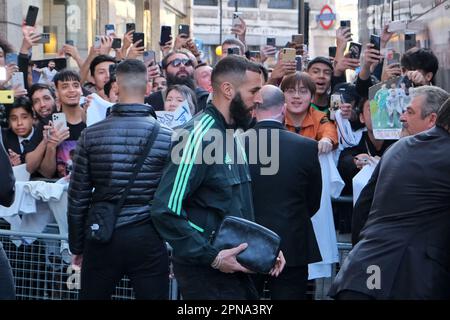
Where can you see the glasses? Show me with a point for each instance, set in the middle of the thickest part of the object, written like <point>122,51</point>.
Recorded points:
<point>176,63</point>
<point>300,92</point>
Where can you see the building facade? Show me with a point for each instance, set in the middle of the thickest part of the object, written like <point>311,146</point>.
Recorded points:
<point>267,18</point>
<point>82,20</point>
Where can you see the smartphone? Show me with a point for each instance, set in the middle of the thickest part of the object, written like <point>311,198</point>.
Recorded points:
<point>32,14</point>
<point>184,29</point>
<point>376,41</point>
<point>130,27</point>
<point>234,50</point>
<point>289,54</point>
<point>355,50</point>
<point>299,65</point>
<point>59,120</point>
<point>70,42</point>
<point>109,29</point>
<point>45,38</point>
<point>271,42</point>
<point>394,58</point>
<point>236,18</point>
<point>335,101</point>
<point>139,36</point>
<point>332,52</point>
<point>149,57</point>
<point>112,70</point>
<point>117,43</point>
<point>255,54</point>
<point>6,96</point>
<point>17,80</point>
<point>298,38</point>
<point>166,34</point>
<point>11,58</point>
<point>410,41</point>
<point>345,24</point>
<point>98,42</point>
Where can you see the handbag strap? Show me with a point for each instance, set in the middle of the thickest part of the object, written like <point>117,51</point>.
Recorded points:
<point>139,163</point>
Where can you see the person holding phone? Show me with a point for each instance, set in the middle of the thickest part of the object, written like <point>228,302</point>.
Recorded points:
<point>7,193</point>
<point>301,117</point>
<point>22,137</point>
<point>68,90</point>
<point>99,69</point>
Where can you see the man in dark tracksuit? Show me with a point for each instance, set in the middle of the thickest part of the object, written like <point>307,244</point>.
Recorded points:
<point>195,194</point>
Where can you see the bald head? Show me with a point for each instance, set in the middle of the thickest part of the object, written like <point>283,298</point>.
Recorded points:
<point>272,104</point>
<point>272,98</point>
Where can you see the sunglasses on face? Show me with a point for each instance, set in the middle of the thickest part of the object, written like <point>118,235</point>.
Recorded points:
<point>176,63</point>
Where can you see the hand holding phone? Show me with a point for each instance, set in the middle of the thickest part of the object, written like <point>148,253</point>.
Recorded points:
<point>130,27</point>
<point>355,50</point>
<point>376,41</point>
<point>149,58</point>
<point>236,19</point>
<point>117,43</point>
<point>183,29</point>
<point>59,120</point>
<point>139,36</point>
<point>11,58</point>
<point>271,42</point>
<point>109,29</point>
<point>166,35</point>
<point>32,14</point>
<point>345,24</point>
<point>288,54</point>
<point>45,38</point>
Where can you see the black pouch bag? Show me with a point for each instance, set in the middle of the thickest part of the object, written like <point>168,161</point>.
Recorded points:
<point>263,244</point>
<point>102,216</point>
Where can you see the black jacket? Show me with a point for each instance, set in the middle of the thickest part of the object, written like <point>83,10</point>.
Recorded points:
<point>7,179</point>
<point>285,202</point>
<point>104,159</point>
<point>194,196</point>
<point>407,231</point>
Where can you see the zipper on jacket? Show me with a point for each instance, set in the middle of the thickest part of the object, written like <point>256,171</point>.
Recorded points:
<point>211,237</point>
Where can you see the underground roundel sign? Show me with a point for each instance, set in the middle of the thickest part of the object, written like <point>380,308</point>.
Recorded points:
<point>326,17</point>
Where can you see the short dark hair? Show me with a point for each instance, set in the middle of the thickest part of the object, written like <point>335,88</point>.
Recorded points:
<point>292,81</point>
<point>41,86</point>
<point>232,65</point>
<point>235,42</point>
<point>136,73</point>
<point>100,59</point>
<point>66,75</point>
<point>421,58</point>
<point>323,60</point>
<point>20,102</point>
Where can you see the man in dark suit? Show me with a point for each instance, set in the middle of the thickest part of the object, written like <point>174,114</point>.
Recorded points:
<point>286,192</point>
<point>403,247</point>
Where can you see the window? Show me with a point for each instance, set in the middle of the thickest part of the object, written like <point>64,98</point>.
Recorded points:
<point>243,3</point>
<point>281,4</point>
<point>205,2</point>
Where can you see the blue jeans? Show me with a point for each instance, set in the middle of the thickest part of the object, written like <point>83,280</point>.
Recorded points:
<point>7,290</point>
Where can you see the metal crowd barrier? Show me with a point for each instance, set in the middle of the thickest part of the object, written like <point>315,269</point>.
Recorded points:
<point>42,269</point>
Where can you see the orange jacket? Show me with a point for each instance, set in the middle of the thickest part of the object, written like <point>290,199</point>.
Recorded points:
<point>316,125</point>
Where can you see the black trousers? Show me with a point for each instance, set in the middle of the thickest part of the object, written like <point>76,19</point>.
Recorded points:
<point>205,283</point>
<point>291,284</point>
<point>7,290</point>
<point>135,251</point>
<point>352,295</point>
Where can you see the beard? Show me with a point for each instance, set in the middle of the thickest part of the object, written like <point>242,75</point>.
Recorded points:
<point>186,80</point>
<point>240,113</point>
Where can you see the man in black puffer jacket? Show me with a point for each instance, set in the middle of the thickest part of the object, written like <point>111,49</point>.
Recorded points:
<point>106,155</point>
